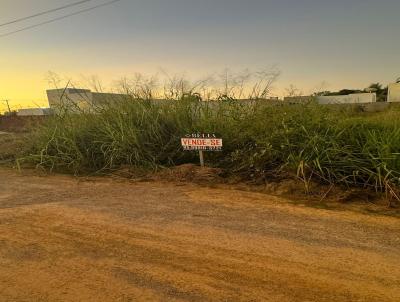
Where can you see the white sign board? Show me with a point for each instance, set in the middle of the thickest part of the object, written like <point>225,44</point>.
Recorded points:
<point>201,142</point>
<point>204,144</point>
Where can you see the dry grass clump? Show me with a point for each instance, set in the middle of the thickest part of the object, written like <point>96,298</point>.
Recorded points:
<point>327,144</point>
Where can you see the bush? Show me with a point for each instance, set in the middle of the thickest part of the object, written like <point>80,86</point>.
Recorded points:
<point>330,144</point>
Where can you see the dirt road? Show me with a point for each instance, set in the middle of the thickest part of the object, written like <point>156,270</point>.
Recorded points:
<point>63,239</point>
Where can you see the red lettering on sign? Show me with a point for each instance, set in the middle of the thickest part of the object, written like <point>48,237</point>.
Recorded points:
<point>202,143</point>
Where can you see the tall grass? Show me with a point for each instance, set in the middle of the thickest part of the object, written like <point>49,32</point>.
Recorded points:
<point>334,145</point>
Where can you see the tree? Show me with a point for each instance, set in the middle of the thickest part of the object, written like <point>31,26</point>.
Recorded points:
<point>381,93</point>
<point>377,86</point>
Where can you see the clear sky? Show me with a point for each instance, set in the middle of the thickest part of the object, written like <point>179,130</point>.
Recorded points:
<point>346,43</point>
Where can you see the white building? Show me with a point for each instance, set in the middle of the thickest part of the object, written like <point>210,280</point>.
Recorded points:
<point>356,98</point>
<point>34,112</point>
<point>301,99</point>
<point>394,93</point>
<point>80,99</point>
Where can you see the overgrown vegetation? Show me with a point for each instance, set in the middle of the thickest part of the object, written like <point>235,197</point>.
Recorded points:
<point>332,145</point>
<point>12,146</point>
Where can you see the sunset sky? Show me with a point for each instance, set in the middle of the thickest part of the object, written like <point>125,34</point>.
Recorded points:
<point>346,43</point>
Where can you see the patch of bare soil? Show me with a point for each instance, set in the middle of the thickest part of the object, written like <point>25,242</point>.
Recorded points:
<point>94,239</point>
<point>191,173</point>
<point>318,195</point>
<point>183,173</point>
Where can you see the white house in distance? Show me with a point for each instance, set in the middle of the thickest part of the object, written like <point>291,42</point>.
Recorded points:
<point>34,112</point>
<point>80,99</point>
<point>355,98</point>
<point>394,92</point>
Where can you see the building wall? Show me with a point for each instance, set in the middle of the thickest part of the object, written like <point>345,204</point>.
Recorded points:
<point>34,112</point>
<point>80,99</point>
<point>394,93</point>
<point>299,99</point>
<point>69,99</point>
<point>357,98</point>
<point>101,99</point>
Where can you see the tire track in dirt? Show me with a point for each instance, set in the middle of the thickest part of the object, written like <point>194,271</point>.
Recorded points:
<point>104,240</point>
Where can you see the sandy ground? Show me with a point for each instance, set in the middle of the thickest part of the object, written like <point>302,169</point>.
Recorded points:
<point>64,239</point>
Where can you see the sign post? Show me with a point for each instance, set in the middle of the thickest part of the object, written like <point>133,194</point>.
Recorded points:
<point>201,155</point>
<point>201,142</point>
